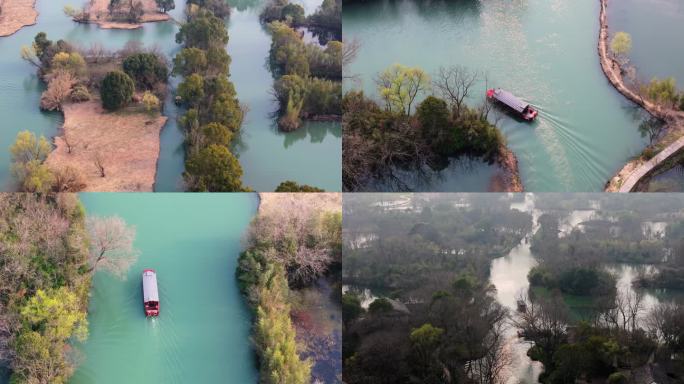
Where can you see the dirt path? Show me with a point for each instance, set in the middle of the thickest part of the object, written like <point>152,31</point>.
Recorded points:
<point>630,175</point>
<point>16,14</point>
<point>126,144</point>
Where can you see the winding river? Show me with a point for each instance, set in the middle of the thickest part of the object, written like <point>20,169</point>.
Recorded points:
<point>203,332</point>
<point>542,50</point>
<point>310,155</point>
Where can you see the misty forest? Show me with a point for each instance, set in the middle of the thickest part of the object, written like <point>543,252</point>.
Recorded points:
<point>513,288</point>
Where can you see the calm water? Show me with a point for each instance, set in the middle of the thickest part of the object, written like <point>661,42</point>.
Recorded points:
<point>202,333</point>
<point>649,46</point>
<point>311,155</point>
<point>543,50</point>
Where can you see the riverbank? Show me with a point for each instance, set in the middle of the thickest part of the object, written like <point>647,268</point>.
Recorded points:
<point>670,143</point>
<point>509,180</point>
<point>97,12</point>
<point>16,14</point>
<point>125,144</point>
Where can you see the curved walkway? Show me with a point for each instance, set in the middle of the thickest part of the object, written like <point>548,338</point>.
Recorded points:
<point>630,175</point>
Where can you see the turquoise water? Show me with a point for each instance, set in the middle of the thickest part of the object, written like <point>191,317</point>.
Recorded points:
<point>311,155</point>
<point>542,50</point>
<point>654,26</point>
<point>202,333</point>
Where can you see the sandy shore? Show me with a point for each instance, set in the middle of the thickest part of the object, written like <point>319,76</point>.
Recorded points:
<point>16,14</point>
<point>127,145</point>
<point>99,14</point>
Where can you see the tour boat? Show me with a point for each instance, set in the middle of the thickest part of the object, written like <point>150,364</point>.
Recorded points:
<point>150,292</point>
<point>510,100</point>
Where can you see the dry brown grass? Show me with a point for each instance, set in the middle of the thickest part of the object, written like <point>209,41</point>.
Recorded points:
<point>126,144</point>
<point>16,14</point>
<point>99,14</point>
<point>274,201</point>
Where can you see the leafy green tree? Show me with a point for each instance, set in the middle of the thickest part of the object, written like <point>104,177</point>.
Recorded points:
<point>51,318</point>
<point>28,147</point>
<point>663,92</point>
<point>399,86</point>
<point>294,13</point>
<point>215,133</point>
<point>116,90</point>
<point>291,186</point>
<point>621,44</point>
<point>147,69</point>
<point>151,102</point>
<point>434,117</point>
<point>189,61</point>
<point>191,90</point>
<point>213,169</point>
<point>203,31</point>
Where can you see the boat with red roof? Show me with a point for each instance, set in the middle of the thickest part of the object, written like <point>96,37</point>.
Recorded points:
<point>508,99</point>
<point>150,292</point>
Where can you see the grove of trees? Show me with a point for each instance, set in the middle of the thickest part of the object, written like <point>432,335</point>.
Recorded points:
<point>214,115</point>
<point>289,246</point>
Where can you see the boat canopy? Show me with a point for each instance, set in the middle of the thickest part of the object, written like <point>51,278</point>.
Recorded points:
<point>510,99</point>
<point>150,292</point>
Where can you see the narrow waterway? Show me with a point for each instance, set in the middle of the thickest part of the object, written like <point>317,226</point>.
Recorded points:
<point>509,275</point>
<point>310,155</point>
<point>544,51</point>
<point>203,332</point>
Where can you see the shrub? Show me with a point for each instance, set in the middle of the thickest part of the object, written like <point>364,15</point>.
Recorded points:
<point>80,94</point>
<point>116,90</point>
<point>213,169</point>
<point>150,101</point>
<point>147,69</point>
<point>57,92</point>
<point>291,186</point>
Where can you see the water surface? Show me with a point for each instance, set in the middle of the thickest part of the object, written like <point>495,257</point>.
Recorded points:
<point>542,50</point>
<point>203,332</point>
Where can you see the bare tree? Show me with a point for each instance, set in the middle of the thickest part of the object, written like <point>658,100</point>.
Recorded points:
<point>455,84</point>
<point>99,163</point>
<point>626,311</point>
<point>666,323</point>
<point>111,245</point>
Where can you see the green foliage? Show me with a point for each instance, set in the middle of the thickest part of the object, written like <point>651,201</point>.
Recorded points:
<point>621,44</point>
<point>69,62</point>
<point>45,294</point>
<point>291,186</point>
<point>189,61</point>
<point>351,307</point>
<point>213,169</point>
<point>265,285</point>
<point>203,31</point>
<point>215,133</point>
<point>116,90</point>
<point>151,102</point>
<point>380,305</point>
<point>317,96</point>
<point>28,154</point>
<point>662,91</point>
<point>399,86</point>
<point>147,69</point>
<point>191,90</point>
<point>618,378</point>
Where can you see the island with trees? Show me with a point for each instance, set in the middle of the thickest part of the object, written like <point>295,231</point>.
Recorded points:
<point>293,252</point>
<point>549,288</point>
<point>49,252</point>
<point>16,14</point>
<point>112,119</point>
<point>213,114</point>
<point>121,14</point>
<point>422,122</point>
<point>308,74</point>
